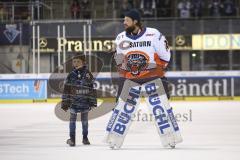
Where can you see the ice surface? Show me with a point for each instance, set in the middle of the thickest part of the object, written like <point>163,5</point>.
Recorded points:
<point>211,131</point>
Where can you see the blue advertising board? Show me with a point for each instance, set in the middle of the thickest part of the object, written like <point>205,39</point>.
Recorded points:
<point>23,89</point>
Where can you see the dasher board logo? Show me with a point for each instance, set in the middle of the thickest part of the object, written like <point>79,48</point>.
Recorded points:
<point>11,32</point>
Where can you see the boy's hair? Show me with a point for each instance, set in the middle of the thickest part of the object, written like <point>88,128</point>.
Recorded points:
<point>79,56</point>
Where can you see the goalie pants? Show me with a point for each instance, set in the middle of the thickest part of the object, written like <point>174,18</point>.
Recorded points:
<point>141,81</point>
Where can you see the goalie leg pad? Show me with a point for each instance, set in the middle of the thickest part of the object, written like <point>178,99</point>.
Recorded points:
<point>165,121</point>
<point>120,120</point>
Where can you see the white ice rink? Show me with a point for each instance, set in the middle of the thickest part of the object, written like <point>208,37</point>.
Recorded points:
<point>211,131</point>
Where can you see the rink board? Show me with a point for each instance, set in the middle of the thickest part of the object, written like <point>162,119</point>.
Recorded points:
<point>186,86</point>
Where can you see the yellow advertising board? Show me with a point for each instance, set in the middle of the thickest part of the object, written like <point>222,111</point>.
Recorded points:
<point>216,42</point>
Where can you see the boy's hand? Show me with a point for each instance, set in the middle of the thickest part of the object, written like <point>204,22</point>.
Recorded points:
<point>65,105</point>
<point>94,105</point>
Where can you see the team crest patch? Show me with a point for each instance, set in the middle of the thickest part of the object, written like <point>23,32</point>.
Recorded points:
<point>136,61</point>
<point>11,32</point>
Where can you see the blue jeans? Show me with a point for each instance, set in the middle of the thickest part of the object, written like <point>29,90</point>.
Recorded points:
<point>72,124</point>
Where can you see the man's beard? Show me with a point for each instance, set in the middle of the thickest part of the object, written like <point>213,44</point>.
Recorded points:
<point>130,29</point>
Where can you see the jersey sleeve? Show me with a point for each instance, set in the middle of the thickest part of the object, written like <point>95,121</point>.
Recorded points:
<point>118,54</point>
<point>161,47</point>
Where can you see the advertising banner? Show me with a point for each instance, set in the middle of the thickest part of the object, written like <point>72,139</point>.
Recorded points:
<point>14,34</point>
<point>181,87</point>
<point>216,42</point>
<point>23,89</point>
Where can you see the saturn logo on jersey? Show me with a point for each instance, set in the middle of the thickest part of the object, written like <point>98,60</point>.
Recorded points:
<point>124,45</point>
<point>136,61</point>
